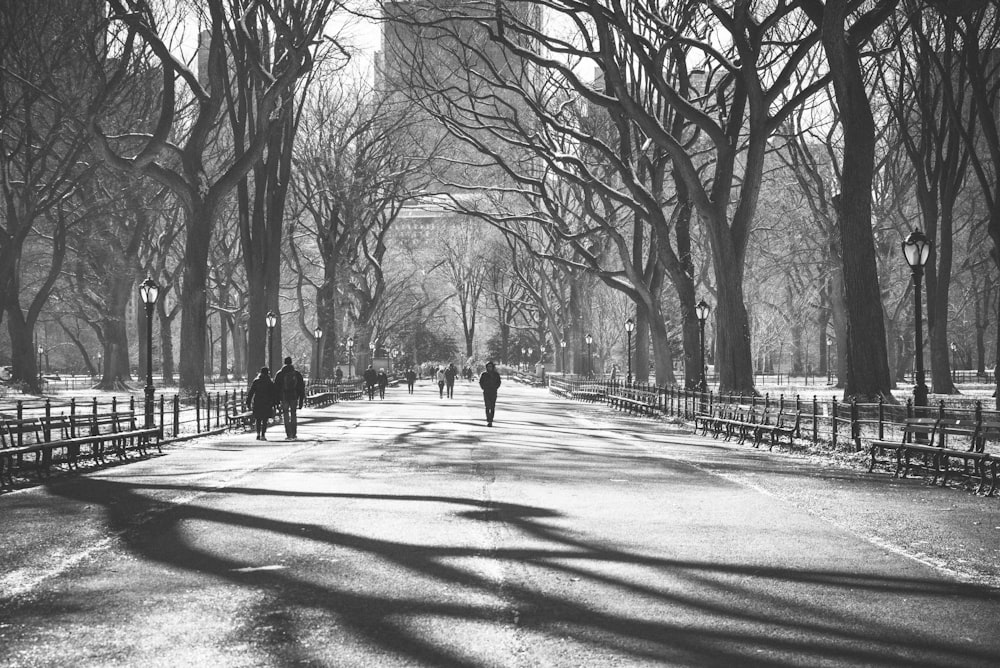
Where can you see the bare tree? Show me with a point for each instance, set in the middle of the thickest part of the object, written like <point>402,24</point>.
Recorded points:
<point>276,58</point>
<point>44,75</point>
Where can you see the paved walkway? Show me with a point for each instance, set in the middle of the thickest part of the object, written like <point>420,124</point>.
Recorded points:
<point>406,532</point>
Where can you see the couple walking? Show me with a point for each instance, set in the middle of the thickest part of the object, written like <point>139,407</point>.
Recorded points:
<point>287,392</point>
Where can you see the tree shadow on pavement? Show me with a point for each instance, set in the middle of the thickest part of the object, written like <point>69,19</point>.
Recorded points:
<point>673,610</point>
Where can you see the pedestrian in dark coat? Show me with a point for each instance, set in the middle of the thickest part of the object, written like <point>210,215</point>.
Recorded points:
<point>383,382</point>
<point>449,380</point>
<point>291,388</point>
<point>371,377</point>
<point>411,378</point>
<point>490,382</point>
<point>261,400</point>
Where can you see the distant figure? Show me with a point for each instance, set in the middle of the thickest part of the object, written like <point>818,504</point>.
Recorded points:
<point>449,380</point>
<point>490,382</point>
<point>371,377</point>
<point>338,376</point>
<point>261,399</point>
<point>383,382</point>
<point>440,382</point>
<point>411,378</point>
<point>292,391</point>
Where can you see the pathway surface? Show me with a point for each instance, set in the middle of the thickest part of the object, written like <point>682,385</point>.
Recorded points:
<point>405,532</point>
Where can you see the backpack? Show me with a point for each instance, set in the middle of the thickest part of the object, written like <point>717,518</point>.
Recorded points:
<point>289,383</point>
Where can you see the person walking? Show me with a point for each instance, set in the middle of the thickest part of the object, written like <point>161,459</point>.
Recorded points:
<point>371,377</point>
<point>383,382</point>
<point>292,391</point>
<point>490,382</point>
<point>449,380</point>
<point>411,378</point>
<point>260,400</point>
<point>440,382</point>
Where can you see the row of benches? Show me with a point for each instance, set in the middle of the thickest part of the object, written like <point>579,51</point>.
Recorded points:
<point>750,422</point>
<point>934,445</point>
<point>43,437</point>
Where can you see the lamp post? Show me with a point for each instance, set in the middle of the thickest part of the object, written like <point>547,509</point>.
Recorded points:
<point>829,358</point>
<point>149,291</point>
<point>702,310</point>
<point>524,352</point>
<point>562,344</point>
<point>350,357</point>
<point>40,351</point>
<point>916,250</point>
<point>371,351</point>
<point>629,327</point>
<point>318,335</point>
<point>590,360</point>
<point>270,320</point>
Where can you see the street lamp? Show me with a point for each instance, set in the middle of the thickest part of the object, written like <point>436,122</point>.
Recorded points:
<point>350,357</point>
<point>524,351</point>
<point>702,310</point>
<point>590,360</point>
<point>40,351</point>
<point>149,291</point>
<point>916,250</point>
<point>829,357</point>
<point>562,344</point>
<point>629,327</point>
<point>371,350</point>
<point>270,320</point>
<point>318,335</point>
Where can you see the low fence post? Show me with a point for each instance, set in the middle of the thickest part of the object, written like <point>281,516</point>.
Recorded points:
<point>162,432</point>
<point>197,412</point>
<point>47,427</point>
<point>833,424</point>
<point>855,426</point>
<point>815,404</point>
<point>177,414</point>
<point>881,418</point>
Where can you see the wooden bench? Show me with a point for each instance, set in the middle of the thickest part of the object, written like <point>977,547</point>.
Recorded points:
<point>320,396</point>
<point>588,394</point>
<point>989,432</point>
<point>746,423</point>
<point>42,436</point>
<point>634,401</point>
<point>959,440</point>
<point>916,431</point>
<point>784,424</point>
<point>237,416</point>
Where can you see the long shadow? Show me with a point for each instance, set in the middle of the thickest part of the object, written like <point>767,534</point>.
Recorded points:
<point>739,628</point>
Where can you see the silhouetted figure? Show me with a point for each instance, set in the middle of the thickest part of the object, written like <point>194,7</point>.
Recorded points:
<point>261,400</point>
<point>292,391</point>
<point>490,382</point>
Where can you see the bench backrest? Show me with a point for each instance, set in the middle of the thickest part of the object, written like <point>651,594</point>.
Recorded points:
<point>964,431</point>
<point>988,431</point>
<point>921,426</point>
<point>14,431</point>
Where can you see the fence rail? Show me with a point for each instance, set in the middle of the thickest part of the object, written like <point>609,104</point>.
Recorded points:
<point>839,424</point>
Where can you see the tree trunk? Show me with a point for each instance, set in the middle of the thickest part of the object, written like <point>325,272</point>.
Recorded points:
<point>867,362</point>
<point>732,327</point>
<point>194,302</point>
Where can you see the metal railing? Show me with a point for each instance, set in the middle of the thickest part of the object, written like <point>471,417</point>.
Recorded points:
<point>831,422</point>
